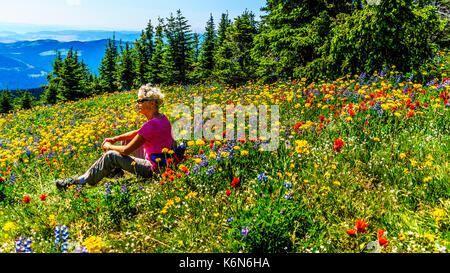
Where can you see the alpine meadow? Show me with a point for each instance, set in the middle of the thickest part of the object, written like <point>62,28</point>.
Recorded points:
<point>362,90</point>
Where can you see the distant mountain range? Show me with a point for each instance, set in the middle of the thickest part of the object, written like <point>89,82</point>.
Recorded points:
<point>26,58</point>
<point>25,64</point>
<point>68,35</point>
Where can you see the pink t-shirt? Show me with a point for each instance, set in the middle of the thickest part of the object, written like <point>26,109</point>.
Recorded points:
<point>158,135</point>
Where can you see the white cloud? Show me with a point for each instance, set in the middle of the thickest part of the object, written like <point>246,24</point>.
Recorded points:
<point>43,73</point>
<point>73,2</point>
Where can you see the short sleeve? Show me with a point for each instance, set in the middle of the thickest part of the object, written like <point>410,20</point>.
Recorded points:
<point>146,131</point>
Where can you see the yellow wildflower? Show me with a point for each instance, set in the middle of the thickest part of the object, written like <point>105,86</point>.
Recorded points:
<point>301,146</point>
<point>244,152</point>
<point>438,214</point>
<point>9,226</point>
<point>192,194</point>
<point>94,244</point>
<point>199,142</point>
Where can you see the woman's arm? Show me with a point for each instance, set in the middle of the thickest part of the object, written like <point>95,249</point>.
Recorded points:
<point>132,146</point>
<point>127,136</point>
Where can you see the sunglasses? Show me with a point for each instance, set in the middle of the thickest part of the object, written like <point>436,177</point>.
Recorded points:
<point>142,100</point>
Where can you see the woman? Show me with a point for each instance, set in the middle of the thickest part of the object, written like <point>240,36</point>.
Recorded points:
<point>154,136</point>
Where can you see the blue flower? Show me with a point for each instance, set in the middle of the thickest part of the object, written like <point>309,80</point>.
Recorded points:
<point>23,245</point>
<point>244,232</point>
<point>196,169</point>
<point>107,190</point>
<point>61,238</point>
<point>262,178</point>
<point>210,171</point>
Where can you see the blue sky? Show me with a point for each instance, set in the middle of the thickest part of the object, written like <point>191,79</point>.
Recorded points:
<point>115,14</point>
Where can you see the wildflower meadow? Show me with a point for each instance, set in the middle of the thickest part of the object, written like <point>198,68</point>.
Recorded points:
<point>361,165</point>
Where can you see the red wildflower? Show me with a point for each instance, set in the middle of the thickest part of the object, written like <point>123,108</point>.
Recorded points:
<point>298,124</point>
<point>322,118</point>
<point>235,182</point>
<point>361,225</point>
<point>43,197</point>
<point>338,143</point>
<point>381,239</point>
<point>228,192</point>
<point>26,199</point>
<point>410,114</point>
<point>351,232</point>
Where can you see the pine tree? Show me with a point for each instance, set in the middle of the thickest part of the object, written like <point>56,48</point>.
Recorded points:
<point>234,63</point>
<point>195,47</point>
<point>194,74</point>
<point>126,71</point>
<point>108,72</point>
<point>179,49</point>
<point>157,69</point>
<point>143,51</point>
<point>223,26</point>
<point>291,36</point>
<point>26,100</point>
<point>73,78</point>
<point>5,102</point>
<point>206,59</point>
<point>95,84</point>
<point>50,94</point>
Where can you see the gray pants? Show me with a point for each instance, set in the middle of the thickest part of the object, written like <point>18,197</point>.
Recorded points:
<point>111,160</point>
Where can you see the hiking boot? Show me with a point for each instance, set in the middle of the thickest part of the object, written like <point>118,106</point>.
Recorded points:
<point>116,173</point>
<point>64,183</point>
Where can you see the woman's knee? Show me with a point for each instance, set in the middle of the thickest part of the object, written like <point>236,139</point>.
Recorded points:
<point>111,153</point>
<point>111,156</point>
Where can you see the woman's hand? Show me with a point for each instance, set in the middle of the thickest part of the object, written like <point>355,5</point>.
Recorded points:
<point>106,145</point>
<point>110,140</point>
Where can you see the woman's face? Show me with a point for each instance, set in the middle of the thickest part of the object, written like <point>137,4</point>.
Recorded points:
<point>145,106</point>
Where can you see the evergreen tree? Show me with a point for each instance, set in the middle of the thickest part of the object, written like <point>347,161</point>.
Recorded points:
<point>291,37</point>
<point>392,32</point>
<point>73,78</point>
<point>26,100</point>
<point>50,94</point>
<point>234,63</point>
<point>208,48</point>
<point>108,72</point>
<point>195,47</point>
<point>194,74</point>
<point>144,48</point>
<point>223,26</point>
<point>5,102</point>
<point>157,69</point>
<point>126,70</point>
<point>95,84</point>
<point>179,49</point>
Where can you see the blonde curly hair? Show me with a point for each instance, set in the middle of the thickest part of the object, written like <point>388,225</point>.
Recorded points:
<point>151,92</point>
